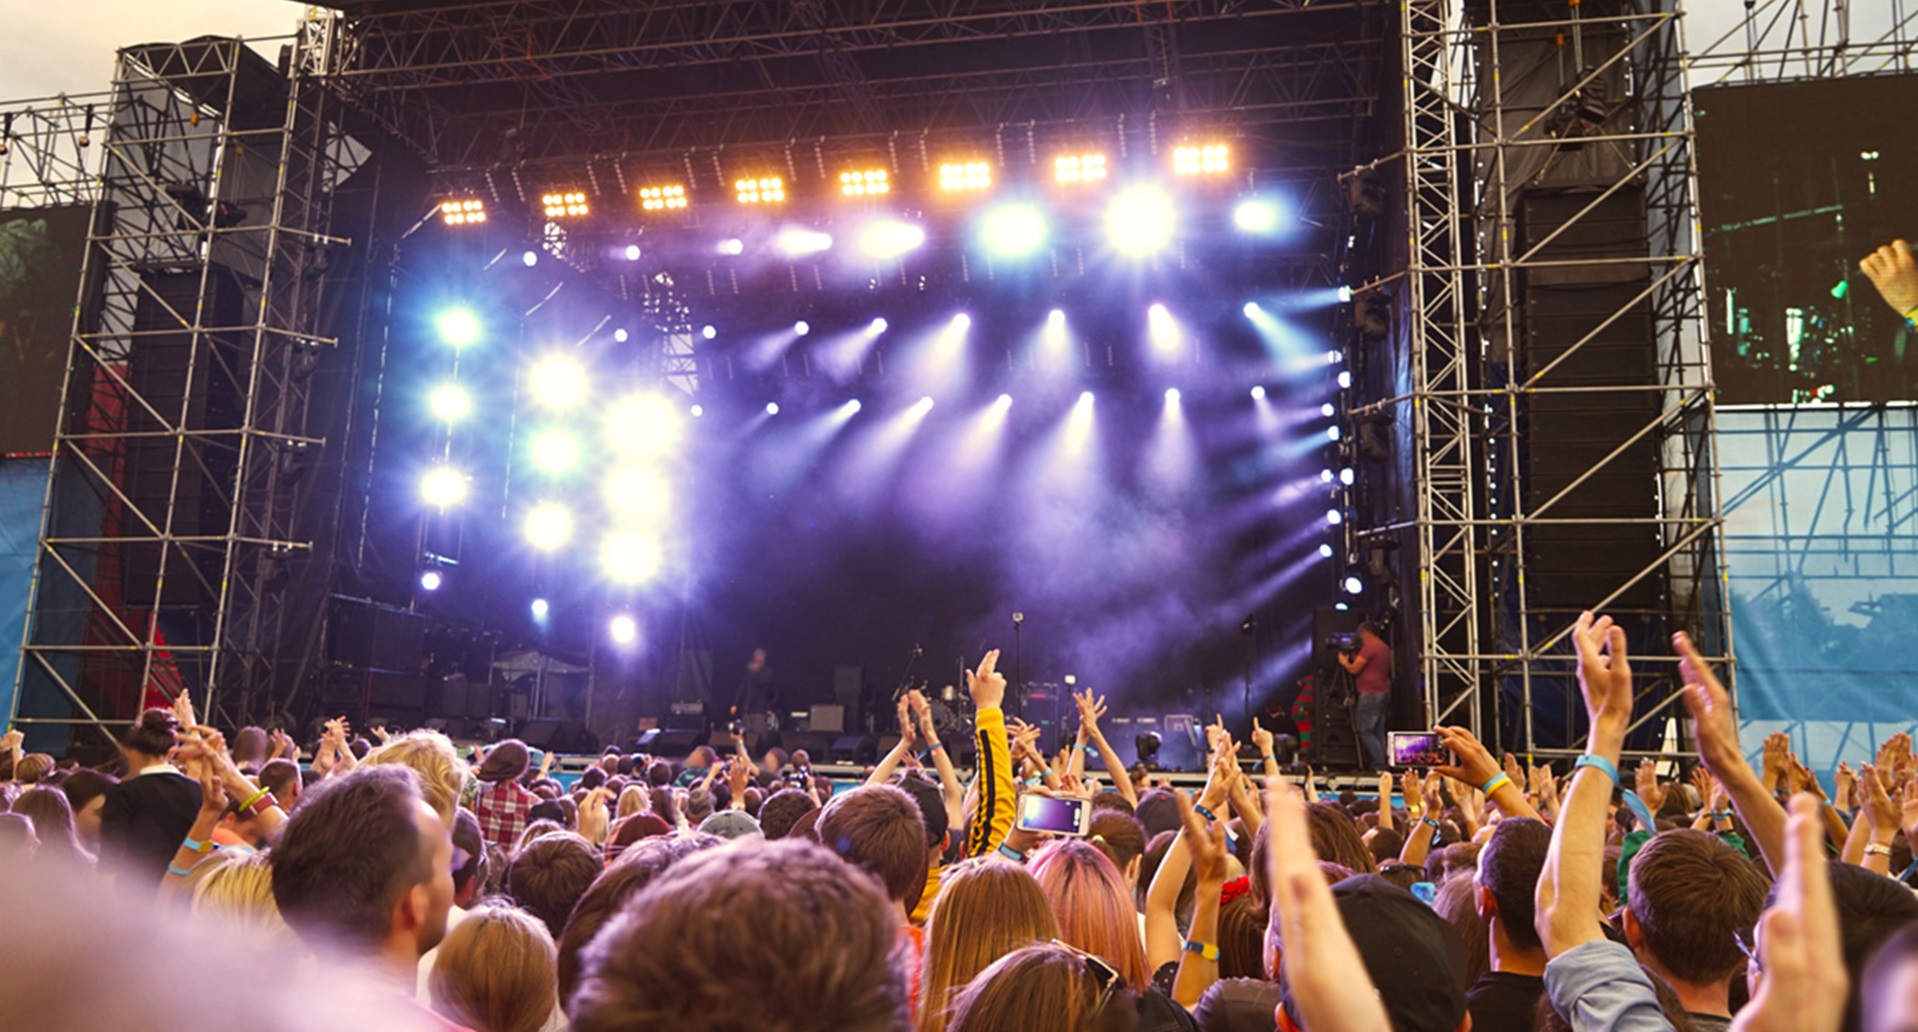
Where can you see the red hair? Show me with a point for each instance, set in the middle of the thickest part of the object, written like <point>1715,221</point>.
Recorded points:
<point>1093,905</point>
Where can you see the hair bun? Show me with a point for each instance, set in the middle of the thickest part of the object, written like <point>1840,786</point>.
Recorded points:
<point>160,720</point>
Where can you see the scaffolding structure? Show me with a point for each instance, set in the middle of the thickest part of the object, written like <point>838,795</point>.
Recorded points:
<point>181,454</point>
<point>1516,182</point>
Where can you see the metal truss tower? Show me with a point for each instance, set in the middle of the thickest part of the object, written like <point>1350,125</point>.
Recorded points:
<point>181,455</point>
<point>1551,307</point>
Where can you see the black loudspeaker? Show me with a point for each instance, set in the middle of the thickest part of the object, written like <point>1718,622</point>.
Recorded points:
<point>378,636</point>
<point>1335,743</point>
<point>667,743</point>
<point>854,749</point>
<point>560,736</point>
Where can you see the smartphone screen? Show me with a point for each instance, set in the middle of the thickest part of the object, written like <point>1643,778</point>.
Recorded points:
<point>1417,749</point>
<point>1059,816</point>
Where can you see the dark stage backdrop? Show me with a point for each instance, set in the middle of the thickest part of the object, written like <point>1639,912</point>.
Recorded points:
<point>1799,181</point>
<point>40,254</point>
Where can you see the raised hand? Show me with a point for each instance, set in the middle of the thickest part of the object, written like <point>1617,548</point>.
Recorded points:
<point>1475,764</point>
<point>1204,842</point>
<point>183,709</point>
<point>1648,787</point>
<point>986,685</point>
<point>738,777</point>
<point>1704,784</point>
<point>1261,738</point>
<point>1322,967</point>
<point>921,709</point>
<point>1710,706</point>
<point>1777,759</point>
<point>905,721</point>
<point>10,742</point>
<point>1514,771</point>
<point>593,818</point>
<point>212,789</point>
<point>1411,785</point>
<point>1090,710</point>
<point>1878,810</point>
<point>1799,946</point>
<point>1604,671</point>
<point>1895,274</point>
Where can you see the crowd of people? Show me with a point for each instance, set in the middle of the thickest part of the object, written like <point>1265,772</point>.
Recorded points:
<point>400,883</point>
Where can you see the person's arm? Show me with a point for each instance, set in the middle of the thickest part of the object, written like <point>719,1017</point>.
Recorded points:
<point>883,773</point>
<point>1262,738</point>
<point>1420,826</point>
<point>1477,769</point>
<point>198,844</point>
<point>1895,274</point>
<point>1329,984</point>
<point>1385,801</point>
<point>1881,816</point>
<point>954,792</point>
<point>593,818</point>
<point>998,796</point>
<point>1089,714</point>
<point>1353,662</point>
<point>1162,942</point>
<point>1716,732</point>
<point>1803,780</point>
<point>1243,804</point>
<point>1199,960</point>
<point>254,801</point>
<point>1800,948</point>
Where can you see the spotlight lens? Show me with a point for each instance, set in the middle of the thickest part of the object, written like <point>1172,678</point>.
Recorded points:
<point>962,321</point>
<point>1333,434</point>
<point>878,326</point>
<point>888,240</point>
<point>624,629</point>
<point>925,402</point>
<point>1325,551</point>
<point>698,410</point>
<point>621,336</point>
<point>629,558</point>
<point>1140,221</point>
<point>450,403</point>
<point>557,381</point>
<point>1056,319</point>
<point>636,495</point>
<point>1258,393</point>
<point>645,424</point>
<point>1346,477</point>
<point>732,246</point>
<point>1345,380</point>
<point>540,608</point>
<point>1345,295</point>
<point>458,327</point>
<point>1256,216</point>
<point>632,252</point>
<point>1353,585</point>
<point>708,332</point>
<point>1325,476</point>
<point>853,406</point>
<point>1326,410</point>
<point>555,451</point>
<point>1252,309</point>
<point>529,259</point>
<point>772,408</point>
<point>443,486</point>
<point>1085,398</point>
<point>799,242</point>
<point>802,327</point>
<point>548,526</point>
<point>1005,401</point>
<point>1334,517</point>
<point>1014,230</point>
<point>431,580</point>
<point>1172,394</point>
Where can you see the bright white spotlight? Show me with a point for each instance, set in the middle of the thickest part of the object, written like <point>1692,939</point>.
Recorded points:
<point>1334,357</point>
<point>698,410</point>
<point>1171,395</point>
<point>1345,380</point>
<point>1163,332</point>
<point>540,608</point>
<point>709,331</point>
<point>795,242</point>
<point>1326,410</point>
<point>644,423</point>
<point>878,327</point>
<point>557,381</point>
<point>620,336</point>
<point>443,487</point>
<point>1325,551</point>
<point>623,629</point>
<point>1140,220</point>
<point>431,580</point>
<point>1085,397</point>
<point>1256,216</point>
<point>1056,320</point>
<point>802,327</point>
<point>1252,310</point>
<point>887,240</point>
<point>548,526</point>
<point>733,246</point>
<point>458,327</point>
<point>635,494</point>
<point>1004,402</point>
<point>1013,230</point>
<point>1258,393</point>
<point>554,450</point>
<point>627,558</point>
<point>925,404</point>
<point>1353,585</point>
<point>632,252</point>
<point>1346,476</point>
<point>1333,434</point>
<point>1334,517</point>
<point>1325,476</point>
<point>529,259</point>
<point>1345,295</point>
<point>449,403</point>
<point>772,408</point>
<point>853,406</point>
<point>962,322</point>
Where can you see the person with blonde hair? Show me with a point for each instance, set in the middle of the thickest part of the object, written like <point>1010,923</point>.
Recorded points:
<point>496,972</point>
<point>239,894</point>
<point>986,908</point>
<point>632,800</point>
<point>430,755</point>
<point>1095,913</point>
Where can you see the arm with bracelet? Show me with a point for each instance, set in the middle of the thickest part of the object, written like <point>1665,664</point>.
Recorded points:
<point>1423,826</point>
<point>1090,710</point>
<point>1477,768</point>
<point>954,793</point>
<point>1199,962</point>
<point>198,844</point>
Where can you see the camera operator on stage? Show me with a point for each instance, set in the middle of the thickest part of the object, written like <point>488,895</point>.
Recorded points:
<point>1371,668</point>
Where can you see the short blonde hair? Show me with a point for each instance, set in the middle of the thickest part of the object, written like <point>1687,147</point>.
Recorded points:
<point>496,972</point>
<point>238,893</point>
<point>632,800</point>
<point>430,755</point>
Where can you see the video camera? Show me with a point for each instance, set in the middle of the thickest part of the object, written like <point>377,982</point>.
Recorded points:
<point>1347,641</point>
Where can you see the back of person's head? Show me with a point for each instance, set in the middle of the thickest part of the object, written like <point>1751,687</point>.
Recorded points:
<point>1093,907</point>
<point>702,757</point>
<point>1888,993</point>
<point>1690,892</point>
<point>535,830</point>
<point>85,785</point>
<point>699,806</point>
<point>470,859</point>
<point>931,800</point>
<point>986,908</point>
<point>505,762</point>
<point>52,818</point>
<point>33,768</point>
<point>494,972</point>
<point>1385,844</point>
<point>591,778</point>
<point>634,870</point>
<point>551,874</point>
<point>154,734</point>
<point>1120,837</point>
<point>1871,909</point>
<point>1242,937</point>
<point>430,755</point>
<point>1112,799</point>
<point>1457,901</point>
<point>782,809</point>
<point>1335,838</point>
<point>346,859</point>
<point>632,800</point>
<point>659,774</point>
<point>550,810</point>
<point>877,829</point>
<point>1413,957</point>
<point>663,805</point>
<point>1158,813</point>
<point>1044,988</point>
<point>282,778</point>
<point>249,747</point>
<point>750,935</point>
<point>18,843</point>
<point>1508,868</point>
<point>238,895</point>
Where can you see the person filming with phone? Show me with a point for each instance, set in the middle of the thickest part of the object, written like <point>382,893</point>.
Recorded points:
<point>1371,668</point>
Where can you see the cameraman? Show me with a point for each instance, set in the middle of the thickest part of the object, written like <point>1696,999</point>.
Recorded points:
<point>1371,670</point>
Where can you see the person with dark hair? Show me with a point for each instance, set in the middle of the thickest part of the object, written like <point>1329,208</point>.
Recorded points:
<point>1050,987</point>
<point>282,778</point>
<point>1690,895</point>
<point>1121,837</point>
<point>503,807</point>
<point>634,870</point>
<point>551,874</point>
<point>782,809</point>
<point>52,818</point>
<point>1890,986</point>
<point>144,818</point>
<point>1371,668</point>
<point>1158,813</point>
<point>1336,838</point>
<point>366,867</point>
<point>751,935</point>
<point>877,828</point>
<point>249,749</point>
<point>1508,868</point>
<point>86,792</point>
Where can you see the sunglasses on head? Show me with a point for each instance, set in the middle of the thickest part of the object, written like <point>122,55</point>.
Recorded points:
<point>1103,974</point>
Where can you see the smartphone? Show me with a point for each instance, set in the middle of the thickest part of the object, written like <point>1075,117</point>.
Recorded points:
<point>1417,749</point>
<point>1059,816</point>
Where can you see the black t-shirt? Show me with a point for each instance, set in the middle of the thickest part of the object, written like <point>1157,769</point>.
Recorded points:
<point>1504,1002</point>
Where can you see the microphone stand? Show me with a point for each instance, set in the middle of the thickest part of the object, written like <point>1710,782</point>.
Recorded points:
<point>1250,629</point>
<point>1018,672</point>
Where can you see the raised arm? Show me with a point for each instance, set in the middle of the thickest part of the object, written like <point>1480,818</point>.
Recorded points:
<point>1199,959</point>
<point>1330,987</point>
<point>998,796</point>
<point>883,773</point>
<point>955,793</point>
<point>1477,769</point>
<point>1716,732</point>
<point>1090,710</point>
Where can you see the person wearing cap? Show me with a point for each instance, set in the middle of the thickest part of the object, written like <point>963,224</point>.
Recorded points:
<point>730,825</point>
<point>1414,958</point>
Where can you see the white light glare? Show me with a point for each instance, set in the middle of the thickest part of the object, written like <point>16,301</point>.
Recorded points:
<point>1325,476</point>
<point>1140,220</point>
<point>1346,477</point>
<point>1334,517</point>
<point>708,331</point>
<point>1326,410</point>
<point>548,526</point>
<point>620,336</point>
<point>1333,433</point>
<point>796,242</point>
<point>629,558</point>
<point>540,608</point>
<point>772,408</point>
<point>1345,380</point>
<point>431,580</point>
<point>632,252</point>
<point>557,381</point>
<point>458,327</point>
<point>529,259</point>
<point>878,327</point>
<point>1172,395</point>
<point>643,423</point>
<point>1163,332</point>
<point>1256,216</point>
<point>555,451</point>
<point>1013,230</point>
<point>732,246</point>
<point>802,327</point>
<point>1353,585</point>
<point>449,403</point>
<point>888,240</point>
<point>623,629</point>
<point>636,495</point>
<point>1004,402</point>
<point>1252,310</point>
<point>1258,393</point>
<point>1325,551</point>
<point>1345,295</point>
<point>443,486</point>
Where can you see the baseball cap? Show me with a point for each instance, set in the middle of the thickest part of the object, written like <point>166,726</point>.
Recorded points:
<point>730,824</point>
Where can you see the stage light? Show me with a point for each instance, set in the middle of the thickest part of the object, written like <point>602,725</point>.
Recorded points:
<point>795,242</point>
<point>890,239</point>
<point>709,331</point>
<point>529,259</point>
<point>443,487</point>
<point>1004,401</point>
<point>1353,585</point>
<point>570,204</point>
<point>1013,230</point>
<point>1345,295</point>
<point>628,558</point>
<point>430,580</point>
<point>760,190</point>
<point>878,327</point>
<point>1208,159</point>
<point>470,211</point>
<point>772,408</point>
<point>1340,606</point>
<point>1161,330</point>
<point>540,608</point>
<point>557,381</point>
<point>1056,320</point>
<point>1325,476</point>
<point>635,493</point>
<point>961,322</point>
<point>1334,517</point>
<point>555,450</point>
<point>1333,434</point>
<point>698,410</point>
<point>956,176</point>
<point>853,406</point>
<point>1172,395</point>
<point>643,423</point>
<point>732,245</point>
<point>1258,393</point>
<point>449,403</point>
<point>1139,221</point>
<point>668,197</point>
<point>620,336</point>
<point>1346,477</point>
<point>802,327</point>
<point>1079,168</point>
<point>1345,380</point>
<point>1334,357</point>
<point>1325,551</point>
<point>1085,398</point>
<point>1327,410</point>
<point>872,182</point>
<point>1256,216</point>
<point>548,526</point>
<point>632,252</point>
<point>925,404</point>
<point>623,629</point>
<point>458,327</point>
<point>1252,310</point>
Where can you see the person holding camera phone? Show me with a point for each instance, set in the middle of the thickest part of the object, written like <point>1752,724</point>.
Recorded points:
<point>1371,668</point>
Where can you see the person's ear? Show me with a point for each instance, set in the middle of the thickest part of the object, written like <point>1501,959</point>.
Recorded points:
<point>409,912</point>
<point>1634,935</point>
<point>1486,904</point>
<point>1465,1023</point>
<point>1132,869</point>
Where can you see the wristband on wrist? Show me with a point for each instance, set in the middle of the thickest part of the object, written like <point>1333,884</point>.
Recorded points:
<point>1429,822</point>
<point>1498,781</point>
<point>1011,854</point>
<point>194,845</point>
<point>1269,758</point>
<point>1201,810</point>
<point>934,747</point>
<point>254,798</point>
<point>176,869</point>
<point>1912,317</point>
<point>1599,763</point>
<point>1206,950</point>
<point>1877,849</point>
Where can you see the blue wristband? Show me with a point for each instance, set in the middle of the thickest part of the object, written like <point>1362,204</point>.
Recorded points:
<point>1203,812</point>
<point>1599,762</point>
<point>1011,854</point>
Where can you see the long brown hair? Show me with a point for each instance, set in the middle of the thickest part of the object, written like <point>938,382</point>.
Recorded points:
<point>1043,988</point>
<point>495,972</point>
<point>1094,910</point>
<point>986,908</point>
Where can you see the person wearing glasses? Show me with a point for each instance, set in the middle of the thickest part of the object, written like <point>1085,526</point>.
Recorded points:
<point>1050,987</point>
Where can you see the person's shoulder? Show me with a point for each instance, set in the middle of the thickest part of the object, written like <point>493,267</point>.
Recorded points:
<point>1157,1012</point>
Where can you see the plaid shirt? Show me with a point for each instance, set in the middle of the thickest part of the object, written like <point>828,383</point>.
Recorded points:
<point>501,808</point>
